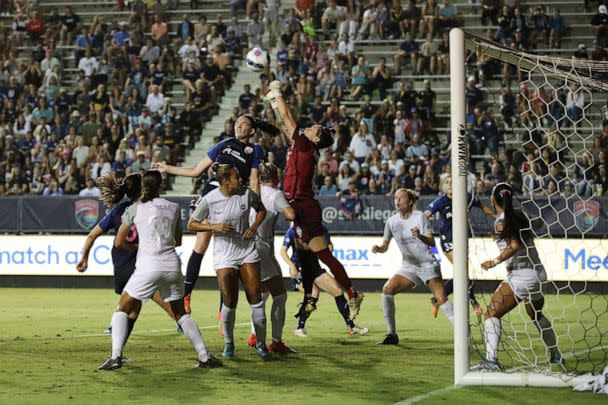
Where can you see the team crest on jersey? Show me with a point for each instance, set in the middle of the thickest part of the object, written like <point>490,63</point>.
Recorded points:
<point>586,214</point>
<point>86,213</point>
<point>243,207</point>
<point>248,150</point>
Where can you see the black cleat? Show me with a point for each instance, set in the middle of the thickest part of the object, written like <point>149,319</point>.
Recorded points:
<point>111,364</point>
<point>389,340</point>
<point>211,362</point>
<point>306,307</point>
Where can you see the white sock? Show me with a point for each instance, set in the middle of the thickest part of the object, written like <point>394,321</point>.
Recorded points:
<point>258,316</point>
<point>193,334</point>
<point>265,296</point>
<point>388,304</point>
<point>120,333</point>
<point>228,315</point>
<point>277,316</point>
<point>493,329</point>
<point>448,308</point>
<point>547,334</point>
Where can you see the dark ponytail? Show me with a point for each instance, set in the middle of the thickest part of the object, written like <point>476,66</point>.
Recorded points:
<point>516,224</point>
<point>152,182</point>
<point>263,126</point>
<point>268,172</point>
<point>112,191</point>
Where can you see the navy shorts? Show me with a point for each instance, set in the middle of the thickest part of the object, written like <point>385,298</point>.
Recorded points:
<point>446,243</point>
<point>122,274</point>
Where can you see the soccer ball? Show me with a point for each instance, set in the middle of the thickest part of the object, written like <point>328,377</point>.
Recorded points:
<point>258,59</point>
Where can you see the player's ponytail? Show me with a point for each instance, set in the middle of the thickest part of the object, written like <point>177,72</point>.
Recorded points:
<point>269,173</point>
<point>151,185</point>
<point>263,126</point>
<point>516,222</point>
<point>112,191</point>
<point>221,171</point>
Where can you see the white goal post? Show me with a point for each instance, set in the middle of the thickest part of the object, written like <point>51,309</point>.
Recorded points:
<point>462,331</point>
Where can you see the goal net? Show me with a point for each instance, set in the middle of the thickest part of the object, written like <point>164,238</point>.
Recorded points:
<point>533,122</point>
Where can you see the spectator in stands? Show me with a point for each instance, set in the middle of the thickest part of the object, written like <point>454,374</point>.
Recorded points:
<point>70,23</point>
<point>599,22</point>
<point>408,51</point>
<point>575,102</point>
<point>255,30</point>
<point>35,26</point>
<point>539,25</point>
<point>328,188</point>
<point>489,12</point>
<point>185,29</point>
<point>428,59</point>
<point>505,25</point>
<point>429,12</point>
<point>408,179</point>
<point>332,16</point>
<point>362,144</point>
<point>427,102</point>
<point>91,189</point>
<point>346,50</point>
<point>416,151</point>
<point>360,78</point>
<point>345,177</point>
<point>368,28</point>
<point>495,176</point>
<point>557,28</point>
<point>447,16</point>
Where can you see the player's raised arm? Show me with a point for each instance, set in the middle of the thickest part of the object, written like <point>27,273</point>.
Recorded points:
<point>281,110</point>
<point>195,171</point>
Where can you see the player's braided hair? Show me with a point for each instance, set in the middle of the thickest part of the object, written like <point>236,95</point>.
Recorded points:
<point>263,126</point>
<point>268,172</point>
<point>221,171</point>
<point>112,191</point>
<point>151,182</point>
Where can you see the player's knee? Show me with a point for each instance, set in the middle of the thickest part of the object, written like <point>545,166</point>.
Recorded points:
<point>387,290</point>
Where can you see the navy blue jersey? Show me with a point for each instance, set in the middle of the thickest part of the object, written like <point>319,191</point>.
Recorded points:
<point>112,221</point>
<point>243,156</point>
<point>443,205</point>
<point>290,242</point>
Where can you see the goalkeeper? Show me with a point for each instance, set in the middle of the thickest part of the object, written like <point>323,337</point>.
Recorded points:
<point>302,158</point>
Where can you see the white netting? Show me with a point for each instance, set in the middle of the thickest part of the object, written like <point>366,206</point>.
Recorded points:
<point>538,120</point>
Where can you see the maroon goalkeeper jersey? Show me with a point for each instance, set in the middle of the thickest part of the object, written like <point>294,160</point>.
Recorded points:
<point>302,158</point>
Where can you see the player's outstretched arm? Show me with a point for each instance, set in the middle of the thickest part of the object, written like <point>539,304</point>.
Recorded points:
<point>281,109</point>
<point>83,263</point>
<point>196,171</point>
<point>293,270</point>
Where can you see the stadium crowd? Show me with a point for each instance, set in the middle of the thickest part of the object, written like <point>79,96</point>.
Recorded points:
<point>57,137</point>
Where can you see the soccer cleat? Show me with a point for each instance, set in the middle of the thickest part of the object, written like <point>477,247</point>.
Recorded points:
<point>108,330</point>
<point>306,307</point>
<point>262,351</point>
<point>299,332</point>
<point>187,299</point>
<point>180,330</point>
<point>211,362</point>
<point>556,358</point>
<point>111,364</point>
<point>220,331</point>
<point>487,365</point>
<point>252,340</point>
<point>354,305</point>
<point>357,331</point>
<point>389,340</point>
<point>280,348</point>
<point>228,350</point>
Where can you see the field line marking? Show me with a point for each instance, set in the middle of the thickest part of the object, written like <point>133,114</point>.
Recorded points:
<point>144,332</point>
<point>427,395</point>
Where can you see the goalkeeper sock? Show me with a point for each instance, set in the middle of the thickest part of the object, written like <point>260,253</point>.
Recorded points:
<point>388,304</point>
<point>493,330</point>
<point>342,305</point>
<point>448,308</point>
<point>337,269</point>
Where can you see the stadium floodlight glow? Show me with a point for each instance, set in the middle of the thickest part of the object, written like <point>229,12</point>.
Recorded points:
<point>521,344</point>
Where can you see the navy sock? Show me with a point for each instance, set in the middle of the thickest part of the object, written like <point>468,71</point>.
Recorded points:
<point>342,305</point>
<point>302,321</point>
<point>192,271</point>
<point>221,302</point>
<point>130,325</point>
<point>448,286</point>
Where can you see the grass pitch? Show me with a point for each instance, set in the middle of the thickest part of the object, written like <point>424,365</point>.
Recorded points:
<point>51,342</point>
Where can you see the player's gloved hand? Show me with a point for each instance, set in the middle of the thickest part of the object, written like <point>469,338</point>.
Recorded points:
<point>274,85</point>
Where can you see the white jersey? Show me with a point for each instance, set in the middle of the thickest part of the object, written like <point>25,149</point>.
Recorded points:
<point>414,251</point>
<point>526,257</point>
<point>156,221</point>
<point>234,210</point>
<point>274,201</point>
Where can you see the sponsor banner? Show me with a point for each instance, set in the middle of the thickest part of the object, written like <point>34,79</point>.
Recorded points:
<point>564,259</point>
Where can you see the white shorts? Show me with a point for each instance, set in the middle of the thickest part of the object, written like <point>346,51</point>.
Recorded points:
<point>269,267</point>
<point>418,274</point>
<point>526,283</point>
<point>143,284</point>
<point>236,258</point>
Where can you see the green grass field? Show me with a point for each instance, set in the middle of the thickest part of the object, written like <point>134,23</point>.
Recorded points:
<point>51,342</point>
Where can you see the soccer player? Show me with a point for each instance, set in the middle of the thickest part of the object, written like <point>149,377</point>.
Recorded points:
<point>270,271</point>
<point>302,157</point>
<point>226,210</point>
<point>112,194</point>
<point>515,239</point>
<point>414,236</point>
<point>239,152</point>
<point>322,280</point>
<point>443,205</point>
<point>157,268</point>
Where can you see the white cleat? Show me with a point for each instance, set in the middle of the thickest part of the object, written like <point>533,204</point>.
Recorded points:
<point>299,333</point>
